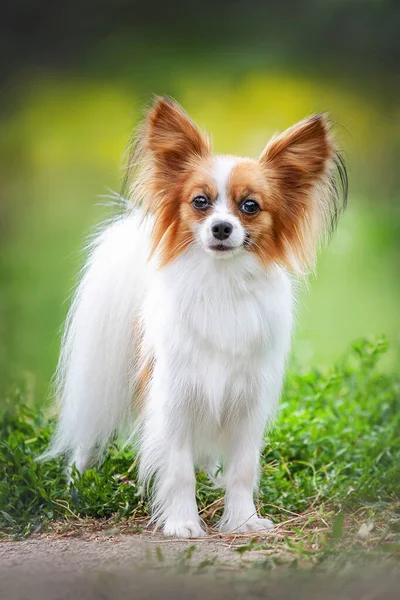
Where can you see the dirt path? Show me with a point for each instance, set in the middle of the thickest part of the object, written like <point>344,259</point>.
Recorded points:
<point>123,566</point>
<point>149,551</point>
<point>146,566</point>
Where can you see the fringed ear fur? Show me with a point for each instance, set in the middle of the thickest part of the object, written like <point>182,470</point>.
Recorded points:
<point>301,166</point>
<point>167,149</point>
<point>172,137</point>
<point>164,148</point>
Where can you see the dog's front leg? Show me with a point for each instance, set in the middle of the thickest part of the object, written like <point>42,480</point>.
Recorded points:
<point>167,460</point>
<point>241,476</point>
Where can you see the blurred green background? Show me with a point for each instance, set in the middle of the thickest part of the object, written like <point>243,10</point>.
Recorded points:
<point>75,78</point>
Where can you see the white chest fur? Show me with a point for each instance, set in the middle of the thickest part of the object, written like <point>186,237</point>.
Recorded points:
<point>214,326</point>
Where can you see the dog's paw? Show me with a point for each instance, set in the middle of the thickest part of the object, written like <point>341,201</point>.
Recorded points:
<point>255,524</point>
<point>183,529</point>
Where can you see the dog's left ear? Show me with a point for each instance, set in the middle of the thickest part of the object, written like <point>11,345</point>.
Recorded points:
<point>299,165</point>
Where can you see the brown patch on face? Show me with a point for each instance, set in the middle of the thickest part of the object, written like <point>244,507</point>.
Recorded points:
<point>247,181</point>
<point>176,217</point>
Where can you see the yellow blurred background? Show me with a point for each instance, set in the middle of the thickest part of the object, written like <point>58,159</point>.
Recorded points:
<point>66,122</point>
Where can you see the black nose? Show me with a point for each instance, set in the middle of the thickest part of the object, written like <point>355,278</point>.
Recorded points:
<point>222,230</point>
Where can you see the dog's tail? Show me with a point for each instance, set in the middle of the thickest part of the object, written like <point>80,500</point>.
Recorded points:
<point>95,378</point>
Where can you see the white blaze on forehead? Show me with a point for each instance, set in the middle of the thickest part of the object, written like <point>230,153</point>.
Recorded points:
<point>222,210</point>
<point>222,168</point>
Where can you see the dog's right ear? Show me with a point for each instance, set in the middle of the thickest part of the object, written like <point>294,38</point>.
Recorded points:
<point>172,138</point>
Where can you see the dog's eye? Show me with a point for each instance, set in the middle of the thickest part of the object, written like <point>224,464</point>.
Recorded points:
<point>201,203</point>
<point>250,207</point>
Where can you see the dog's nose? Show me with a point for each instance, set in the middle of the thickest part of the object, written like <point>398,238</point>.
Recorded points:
<point>222,230</point>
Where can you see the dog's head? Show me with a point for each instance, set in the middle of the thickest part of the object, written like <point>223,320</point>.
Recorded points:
<point>275,207</point>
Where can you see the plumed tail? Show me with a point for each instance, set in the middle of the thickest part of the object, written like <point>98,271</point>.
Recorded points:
<point>95,378</point>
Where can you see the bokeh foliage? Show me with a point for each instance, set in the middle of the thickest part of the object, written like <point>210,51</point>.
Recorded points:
<point>75,79</point>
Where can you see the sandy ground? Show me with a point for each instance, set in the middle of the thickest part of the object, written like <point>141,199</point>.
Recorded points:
<point>147,551</point>
<point>149,566</point>
<point>48,567</point>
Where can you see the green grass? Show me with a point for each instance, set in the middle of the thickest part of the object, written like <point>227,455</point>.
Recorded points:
<point>334,450</point>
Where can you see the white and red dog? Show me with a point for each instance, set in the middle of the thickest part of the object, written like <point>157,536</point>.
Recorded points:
<point>180,327</point>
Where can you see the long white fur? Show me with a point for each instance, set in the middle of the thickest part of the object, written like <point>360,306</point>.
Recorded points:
<point>218,332</point>
<point>96,371</point>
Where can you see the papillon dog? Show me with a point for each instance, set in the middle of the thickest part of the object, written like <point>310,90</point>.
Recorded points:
<point>181,324</point>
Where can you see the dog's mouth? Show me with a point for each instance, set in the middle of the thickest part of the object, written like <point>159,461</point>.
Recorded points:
<point>221,248</point>
<point>228,247</point>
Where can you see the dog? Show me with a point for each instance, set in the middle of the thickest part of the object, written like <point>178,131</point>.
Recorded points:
<point>180,327</point>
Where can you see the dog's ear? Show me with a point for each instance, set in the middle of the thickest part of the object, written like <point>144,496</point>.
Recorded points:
<point>172,138</point>
<point>299,165</point>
